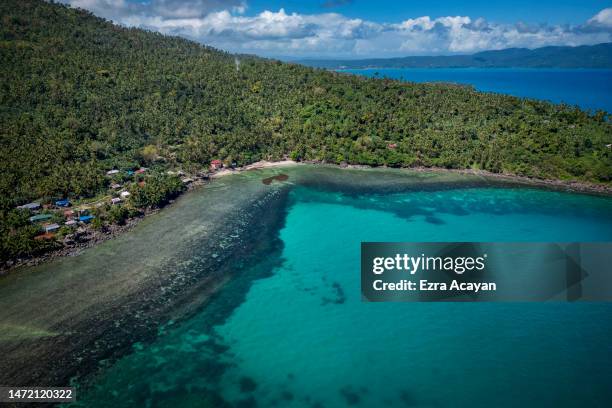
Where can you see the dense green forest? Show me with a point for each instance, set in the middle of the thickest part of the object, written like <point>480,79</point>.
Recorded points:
<point>584,56</point>
<point>80,96</point>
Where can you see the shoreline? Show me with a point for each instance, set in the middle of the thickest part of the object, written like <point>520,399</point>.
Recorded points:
<point>574,186</point>
<point>95,237</point>
<point>262,164</point>
<point>571,186</point>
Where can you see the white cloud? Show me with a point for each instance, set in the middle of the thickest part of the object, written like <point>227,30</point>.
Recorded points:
<point>602,19</point>
<point>223,24</point>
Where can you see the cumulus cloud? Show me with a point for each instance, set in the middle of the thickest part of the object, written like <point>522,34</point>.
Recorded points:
<point>223,24</point>
<point>602,19</point>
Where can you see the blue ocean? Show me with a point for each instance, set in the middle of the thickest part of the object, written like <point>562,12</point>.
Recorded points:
<point>587,88</point>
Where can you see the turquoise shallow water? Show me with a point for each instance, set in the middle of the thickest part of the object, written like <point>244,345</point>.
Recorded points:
<point>299,335</point>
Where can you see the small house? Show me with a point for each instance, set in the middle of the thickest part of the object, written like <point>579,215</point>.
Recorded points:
<point>141,183</point>
<point>69,213</point>
<point>86,219</point>
<point>216,164</point>
<point>44,237</point>
<point>51,227</point>
<point>141,170</point>
<point>115,186</point>
<point>30,206</point>
<point>130,172</point>
<point>187,180</point>
<point>111,172</point>
<point>392,145</point>
<point>115,200</point>
<point>125,194</point>
<point>40,217</point>
<point>84,210</point>
<point>70,223</point>
<point>63,203</point>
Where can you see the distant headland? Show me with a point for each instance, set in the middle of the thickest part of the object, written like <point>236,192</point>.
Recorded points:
<point>585,56</point>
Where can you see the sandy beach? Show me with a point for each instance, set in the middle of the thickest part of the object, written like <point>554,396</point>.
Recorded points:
<point>262,164</point>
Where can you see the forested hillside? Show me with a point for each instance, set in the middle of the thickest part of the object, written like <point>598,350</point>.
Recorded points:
<point>80,96</point>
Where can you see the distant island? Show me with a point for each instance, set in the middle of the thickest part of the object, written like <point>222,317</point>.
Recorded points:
<point>585,56</point>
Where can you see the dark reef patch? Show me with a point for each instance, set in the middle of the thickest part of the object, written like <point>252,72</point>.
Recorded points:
<point>287,395</point>
<point>249,402</point>
<point>378,187</point>
<point>350,396</point>
<point>434,220</point>
<point>407,399</point>
<point>339,295</point>
<point>280,177</point>
<point>247,384</point>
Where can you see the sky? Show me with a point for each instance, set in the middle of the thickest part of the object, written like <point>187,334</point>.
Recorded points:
<point>349,29</point>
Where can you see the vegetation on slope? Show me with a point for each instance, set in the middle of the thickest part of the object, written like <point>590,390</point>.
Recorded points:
<point>80,96</point>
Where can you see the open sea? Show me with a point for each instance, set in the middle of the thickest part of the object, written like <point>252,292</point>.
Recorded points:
<point>589,89</point>
<point>292,330</point>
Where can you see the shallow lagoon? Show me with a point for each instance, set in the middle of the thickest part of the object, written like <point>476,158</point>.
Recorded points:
<point>290,328</point>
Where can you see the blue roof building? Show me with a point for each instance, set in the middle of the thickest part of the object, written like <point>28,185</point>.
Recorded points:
<point>86,218</point>
<point>62,203</point>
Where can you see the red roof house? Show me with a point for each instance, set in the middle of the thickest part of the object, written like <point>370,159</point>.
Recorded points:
<point>216,164</point>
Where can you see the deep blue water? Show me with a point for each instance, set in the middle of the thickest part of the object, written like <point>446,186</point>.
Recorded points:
<point>587,88</point>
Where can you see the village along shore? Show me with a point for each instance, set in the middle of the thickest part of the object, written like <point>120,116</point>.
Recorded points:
<point>85,236</point>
